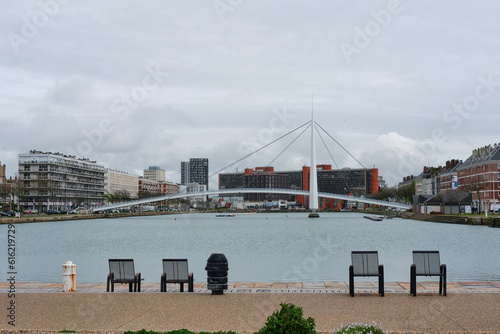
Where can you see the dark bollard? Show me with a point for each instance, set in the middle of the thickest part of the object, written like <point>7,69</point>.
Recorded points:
<point>217,268</point>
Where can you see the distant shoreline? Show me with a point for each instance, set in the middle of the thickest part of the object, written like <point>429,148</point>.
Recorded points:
<point>492,220</point>
<point>50,218</point>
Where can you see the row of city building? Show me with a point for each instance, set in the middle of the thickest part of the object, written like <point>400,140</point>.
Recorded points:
<point>475,180</point>
<point>53,180</point>
<point>46,179</point>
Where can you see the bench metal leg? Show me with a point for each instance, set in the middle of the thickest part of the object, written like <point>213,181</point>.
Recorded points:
<point>110,283</point>
<point>137,284</point>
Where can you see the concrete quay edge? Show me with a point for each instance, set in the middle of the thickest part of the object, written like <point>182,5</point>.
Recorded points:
<point>269,287</point>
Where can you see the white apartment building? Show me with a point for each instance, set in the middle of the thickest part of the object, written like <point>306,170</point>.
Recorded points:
<point>195,188</point>
<point>55,180</point>
<point>115,181</point>
<point>154,173</point>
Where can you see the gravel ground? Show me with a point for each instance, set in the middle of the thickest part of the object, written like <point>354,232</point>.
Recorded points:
<point>247,313</point>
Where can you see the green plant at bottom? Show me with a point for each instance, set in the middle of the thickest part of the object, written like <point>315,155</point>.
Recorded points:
<point>288,320</point>
<point>360,329</point>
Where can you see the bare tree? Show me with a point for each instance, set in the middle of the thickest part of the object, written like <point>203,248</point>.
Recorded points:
<point>20,190</point>
<point>451,197</point>
<point>404,194</point>
<point>475,184</point>
<point>123,195</point>
<point>148,194</point>
<point>4,191</point>
<point>110,197</point>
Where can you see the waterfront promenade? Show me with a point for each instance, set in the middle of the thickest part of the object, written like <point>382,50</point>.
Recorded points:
<point>470,307</point>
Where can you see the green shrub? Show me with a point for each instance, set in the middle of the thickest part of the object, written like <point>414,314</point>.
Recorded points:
<point>288,320</point>
<point>360,329</point>
<point>142,331</point>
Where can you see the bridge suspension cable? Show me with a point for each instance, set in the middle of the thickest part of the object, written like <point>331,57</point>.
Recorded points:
<point>335,140</point>
<point>327,149</point>
<point>352,156</point>
<point>259,149</point>
<point>331,156</point>
<point>300,134</point>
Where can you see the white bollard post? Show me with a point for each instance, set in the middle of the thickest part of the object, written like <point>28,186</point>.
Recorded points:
<point>68,274</point>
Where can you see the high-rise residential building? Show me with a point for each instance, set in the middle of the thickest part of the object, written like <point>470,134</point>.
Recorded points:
<point>56,180</point>
<point>154,173</point>
<point>116,182</point>
<point>184,172</point>
<point>198,171</point>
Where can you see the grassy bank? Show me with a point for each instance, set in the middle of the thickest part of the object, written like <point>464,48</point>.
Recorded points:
<point>467,219</point>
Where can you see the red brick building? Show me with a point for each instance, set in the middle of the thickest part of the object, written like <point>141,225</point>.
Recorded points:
<point>447,178</point>
<point>480,175</point>
<point>150,187</point>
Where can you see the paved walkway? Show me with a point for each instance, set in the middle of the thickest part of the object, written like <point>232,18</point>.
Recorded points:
<point>276,287</point>
<point>470,307</point>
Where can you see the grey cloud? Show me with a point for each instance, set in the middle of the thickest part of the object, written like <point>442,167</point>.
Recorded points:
<point>226,77</point>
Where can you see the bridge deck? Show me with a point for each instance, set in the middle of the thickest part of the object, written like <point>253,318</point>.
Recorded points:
<point>402,206</point>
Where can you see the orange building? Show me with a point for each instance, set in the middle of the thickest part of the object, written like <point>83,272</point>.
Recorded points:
<point>338,181</point>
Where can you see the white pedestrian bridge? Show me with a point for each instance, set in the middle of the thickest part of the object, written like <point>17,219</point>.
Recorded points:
<point>238,191</point>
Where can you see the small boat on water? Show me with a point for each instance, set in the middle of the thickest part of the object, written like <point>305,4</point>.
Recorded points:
<point>374,218</point>
<point>228,215</point>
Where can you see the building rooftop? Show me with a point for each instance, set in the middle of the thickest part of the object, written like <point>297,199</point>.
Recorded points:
<point>482,155</point>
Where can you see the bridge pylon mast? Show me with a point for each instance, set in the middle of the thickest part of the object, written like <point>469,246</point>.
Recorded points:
<point>313,175</point>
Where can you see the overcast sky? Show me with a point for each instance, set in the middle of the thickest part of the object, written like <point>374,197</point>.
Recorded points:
<point>131,84</point>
